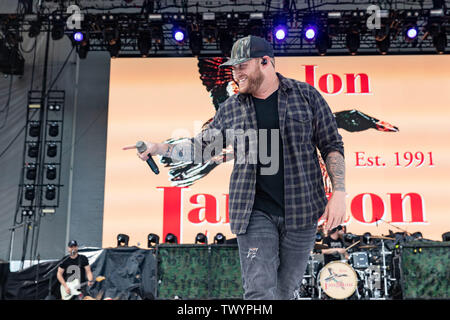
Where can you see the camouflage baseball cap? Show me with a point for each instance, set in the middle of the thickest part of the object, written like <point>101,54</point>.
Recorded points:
<point>248,48</point>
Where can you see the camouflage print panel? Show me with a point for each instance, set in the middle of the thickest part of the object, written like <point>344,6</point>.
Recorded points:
<point>199,272</point>
<point>425,270</point>
<point>183,272</point>
<point>226,281</point>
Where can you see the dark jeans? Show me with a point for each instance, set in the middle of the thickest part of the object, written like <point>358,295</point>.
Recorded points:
<point>273,260</point>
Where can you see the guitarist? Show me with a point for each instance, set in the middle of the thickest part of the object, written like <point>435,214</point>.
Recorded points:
<point>75,266</point>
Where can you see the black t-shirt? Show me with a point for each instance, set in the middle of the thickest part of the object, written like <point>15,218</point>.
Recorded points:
<point>269,196</point>
<point>74,268</point>
<point>338,243</point>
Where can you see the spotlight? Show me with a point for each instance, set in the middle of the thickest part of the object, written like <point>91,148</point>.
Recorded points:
<point>53,129</point>
<point>310,32</point>
<point>280,30</point>
<point>225,42</point>
<point>152,239</point>
<point>27,212</point>
<point>83,49</point>
<point>255,26</point>
<point>29,192</point>
<point>122,240</point>
<point>57,28</point>
<point>352,42</point>
<point>280,33</point>
<point>33,150</point>
<point>144,42</point>
<point>411,33</point>
<point>440,42</point>
<point>35,28</point>
<point>54,107</point>
<point>31,172</point>
<point>158,36</point>
<point>383,45</point>
<point>114,48</point>
<point>35,129</point>
<point>195,42</point>
<point>417,235</point>
<point>51,172</point>
<point>201,238</point>
<point>50,192</point>
<point>219,238</point>
<point>323,42</point>
<point>179,35</point>
<point>171,238</point>
<point>52,150</point>
<point>78,36</point>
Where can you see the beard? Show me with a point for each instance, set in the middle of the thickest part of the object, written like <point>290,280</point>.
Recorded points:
<point>253,82</point>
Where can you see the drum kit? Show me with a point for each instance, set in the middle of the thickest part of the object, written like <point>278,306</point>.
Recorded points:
<point>366,274</point>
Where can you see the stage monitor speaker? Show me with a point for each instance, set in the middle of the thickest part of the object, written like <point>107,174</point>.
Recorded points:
<point>425,270</point>
<point>4,271</point>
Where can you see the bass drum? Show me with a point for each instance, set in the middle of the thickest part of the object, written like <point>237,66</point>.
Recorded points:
<point>338,280</point>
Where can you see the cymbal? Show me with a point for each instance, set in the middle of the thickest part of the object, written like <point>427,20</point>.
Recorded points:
<point>319,246</point>
<point>382,237</point>
<point>367,247</point>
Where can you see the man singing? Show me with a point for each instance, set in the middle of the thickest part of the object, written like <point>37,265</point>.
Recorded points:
<point>274,214</point>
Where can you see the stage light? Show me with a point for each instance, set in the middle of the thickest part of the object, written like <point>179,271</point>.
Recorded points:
<point>323,42</point>
<point>33,150</point>
<point>411,33</point>
<point>114,48</point>
<point>219,238</point>
<point>78,36</point>
<point>201,238</point>
<point>52,150</point>
<point>31,172</point>
<point>50,172</point>
<point>280,33</point>
<point>29,192</point>
<point>144,42</point>
<point>225,42</point>
<point>27,212</point>
<point>440,42</point>
<point>35,129</point>
<point>54,107</point>
<point>152,240</point>
<point>122,240</point>
<point>50,192</point>
<point>57,28</point>
<point>383,45</point>
<point>195,42</point>
<point>53,129</point>
<point>84,47</point>
<point>352,42</point>
<point>310,32</point>
<point>178,35</point>
<point>35,28</point>
<point>171,238</point>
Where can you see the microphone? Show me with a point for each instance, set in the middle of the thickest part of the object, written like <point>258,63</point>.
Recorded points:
<point>141,147</point>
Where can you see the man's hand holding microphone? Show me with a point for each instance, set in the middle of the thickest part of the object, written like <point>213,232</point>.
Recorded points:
<point>148,149</point>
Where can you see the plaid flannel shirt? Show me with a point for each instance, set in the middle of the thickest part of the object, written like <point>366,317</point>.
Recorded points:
<point>306,123</point>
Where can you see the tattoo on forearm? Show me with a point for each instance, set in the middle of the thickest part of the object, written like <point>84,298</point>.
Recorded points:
<point>336,170</point>
<point>168,152</point>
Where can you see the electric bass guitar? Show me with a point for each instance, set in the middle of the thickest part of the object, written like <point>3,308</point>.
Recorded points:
<point>74,287</point>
